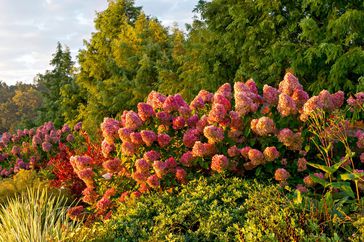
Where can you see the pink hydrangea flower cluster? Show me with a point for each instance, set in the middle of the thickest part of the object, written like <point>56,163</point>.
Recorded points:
<point>263,126</point>
<point>324,100</point>
<point>110,129</point>
<point>357,100</point>
<point>219,163</point>
<point>112,166</point>
<point>271,153</point>
<point>203,149</point>
<point>246,100</point>
<point>156,100</point>
<point>270,95</point>
<point>190,137</point>
<point>360,136</point>
<point>291,140</point>
<point>167,138</point>
<point>145,111</point>
<point>301,164</point>
<point>214,134</point>
<point>281,174</point>
<point>31,148</point>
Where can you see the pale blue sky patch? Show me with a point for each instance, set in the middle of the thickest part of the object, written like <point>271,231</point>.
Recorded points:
<point>29,30</point>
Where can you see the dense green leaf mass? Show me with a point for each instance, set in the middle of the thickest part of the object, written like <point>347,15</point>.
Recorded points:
<point>18,106</point>
<point>131,54</point>
<point>57,88</point>
<point>214,209</point>
<point>126,58</point>
<point>322,41</point>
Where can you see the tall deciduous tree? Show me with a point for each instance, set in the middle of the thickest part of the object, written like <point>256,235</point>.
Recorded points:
<point>18,106</point>
<point>121,63</point>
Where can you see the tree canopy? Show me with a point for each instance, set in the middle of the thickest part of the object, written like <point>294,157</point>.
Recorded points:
<point>131,54</point>
<point>51,84</point>
<point>321,41</point>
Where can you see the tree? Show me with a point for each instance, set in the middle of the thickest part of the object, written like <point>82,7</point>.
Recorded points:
<point>18,106</point>
<point>27,102</point>
<point>122,62</point>
<point>322,41</point>
<point>51,83</point>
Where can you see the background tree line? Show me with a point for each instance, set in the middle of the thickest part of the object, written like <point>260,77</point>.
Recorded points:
<point>131,53</point>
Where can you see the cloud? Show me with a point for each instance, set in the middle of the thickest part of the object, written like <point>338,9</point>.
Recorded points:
<point>30,30</point>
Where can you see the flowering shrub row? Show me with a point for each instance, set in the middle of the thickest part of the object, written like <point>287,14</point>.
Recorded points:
<point>33,148</point>
<point>235,130</point>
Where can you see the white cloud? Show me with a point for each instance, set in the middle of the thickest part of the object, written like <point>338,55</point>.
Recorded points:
<point>30,30</point>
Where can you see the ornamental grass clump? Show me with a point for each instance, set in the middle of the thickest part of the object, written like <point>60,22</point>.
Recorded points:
<point>35,216</point>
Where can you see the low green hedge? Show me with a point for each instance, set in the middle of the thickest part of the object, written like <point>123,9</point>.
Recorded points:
<point>213,209</point>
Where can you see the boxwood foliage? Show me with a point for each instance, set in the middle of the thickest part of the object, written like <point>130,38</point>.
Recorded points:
<point>211,209</point>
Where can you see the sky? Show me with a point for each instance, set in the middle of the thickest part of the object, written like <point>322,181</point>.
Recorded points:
<point>30,30</point>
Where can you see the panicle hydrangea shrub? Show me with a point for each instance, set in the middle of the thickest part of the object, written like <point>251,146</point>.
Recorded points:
<point>166,141</point>
<point>32,149</point>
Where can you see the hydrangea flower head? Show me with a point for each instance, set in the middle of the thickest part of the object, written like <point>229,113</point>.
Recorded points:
<point>289,84</point>
<point>286,105</point>
<point>142,165</point>
<point>187,159</point>
<point>270,95</point>
<point>263,126</point>
<point>225,90</point>
<point>181,175</point>
<point>148,137</point>
<point>271,153</point>
<point>132,120</point>
<point>124,134</point>
<point>256,157</point>
<point>219,163</point>
<point>301,164</point>
<point>281,174</point>
<point>233,151</point>
<point>156,100</point>
<point>214,134</point>
<point>164,117</point>
<point>145,111</point>
<point>153,181</point>
<point>163,140</point>
<point>151,156</point>
<point>112,165</point>
<point>217,113</point>
<point>136,138</point>
<point>252,86</point>
<point>107,148</point>
<point>128,149</point>
<point>110,128</point>
<point>178,123</point>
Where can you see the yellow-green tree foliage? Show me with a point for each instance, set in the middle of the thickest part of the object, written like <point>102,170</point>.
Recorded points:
<point>18,106</point>
<point>125,59</point>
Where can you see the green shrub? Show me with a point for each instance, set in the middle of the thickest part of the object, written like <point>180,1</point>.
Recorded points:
<point>35,215</point>
<point>205,210</point>
<point>212,209</point>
